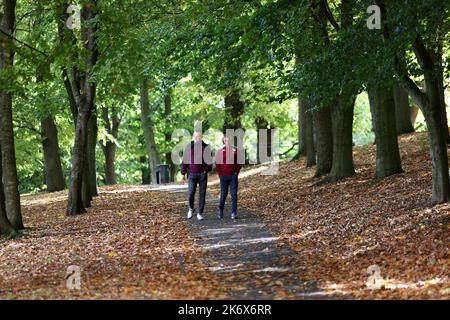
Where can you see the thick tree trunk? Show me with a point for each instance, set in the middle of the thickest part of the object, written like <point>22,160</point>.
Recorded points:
<point>438,153</point>
<point>54,176</point>
<point>324,140</point>
<point>90,181</point>
<point>234,109</point>
<point>86,191</point>
<point>75,203</point>
<point>89,189</point>
<point>111,123</point>
<point>262,123</point>
<point>6,229</point>
<point>308,128</point>
<point>85,108</point>
<point>145,171</point>
<point>301,129</point>
<point>382,105</point>
<point>342,126</point>
<point>109,150</point>
<point>309,135</point>
<point>432,106</point>
<point>10,179</point>
<point>402,111</point>
<point>168,134</point>
<point>149,134</point>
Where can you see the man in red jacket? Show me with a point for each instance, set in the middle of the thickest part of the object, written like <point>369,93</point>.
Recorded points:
<point>228,170</point>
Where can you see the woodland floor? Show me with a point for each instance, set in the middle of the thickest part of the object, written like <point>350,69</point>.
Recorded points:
<point>294,240</point>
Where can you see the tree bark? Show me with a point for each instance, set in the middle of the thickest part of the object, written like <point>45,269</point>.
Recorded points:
<point>75,204</point>
<point>149,134</point>
<point>432,106</point>
<point>262,123</point>
<point>324,140</point>
<point>54,176</point>
<point>6,229</point>
<point>382,105</point>
<point>10,179</point>
<point>168,134</point>
<point>145,171</point>
<point>309,135</point>
<point>89,188</point>
<point>301,129</point>
<point>342,126</point>
<point>234,109</point>
<point>109,148</point>
<point>85,108</point>
<point>402,111</point>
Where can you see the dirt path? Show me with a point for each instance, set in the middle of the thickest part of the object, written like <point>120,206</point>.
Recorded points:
<point>246,253</point>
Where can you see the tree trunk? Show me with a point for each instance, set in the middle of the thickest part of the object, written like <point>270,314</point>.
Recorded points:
<point>402,111</point>
<point>90,180</point>
<point>324,140</point>
<point>109,150</point>
<point>145,171</point>
<point>262,123</point>
<point>342,127</point>
<point>168,134</point>
<point>432,106</point>
<point>149,134</point>
<point>85,108</point>
<point>111,123</point>
<point>382,105</point>
<point>301,129</point>
<point>89,188</point>
<point>438,153</point>
<point>234,109</point>
<point>75,203</point>
<point>309,134</point>
<point>6,229</point>
<point>10,179</point>
<point>54,176</point>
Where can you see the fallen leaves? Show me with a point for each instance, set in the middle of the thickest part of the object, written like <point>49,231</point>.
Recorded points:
<point>341,229</point>
<point>132,244</point>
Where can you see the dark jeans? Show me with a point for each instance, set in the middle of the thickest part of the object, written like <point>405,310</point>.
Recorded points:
<point>230,182</point>
<point>202,180</point>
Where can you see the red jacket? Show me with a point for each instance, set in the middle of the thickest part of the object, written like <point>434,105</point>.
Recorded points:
<point>224,167</point>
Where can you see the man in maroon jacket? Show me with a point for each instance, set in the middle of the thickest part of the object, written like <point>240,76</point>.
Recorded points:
<point>197,166</point>
<point>228,170</point>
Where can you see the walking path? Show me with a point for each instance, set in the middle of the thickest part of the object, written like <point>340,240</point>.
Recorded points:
<point>245,250</point>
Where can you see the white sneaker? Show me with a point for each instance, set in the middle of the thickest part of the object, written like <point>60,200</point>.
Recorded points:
<point>199,217</point>
<point>190,213</point>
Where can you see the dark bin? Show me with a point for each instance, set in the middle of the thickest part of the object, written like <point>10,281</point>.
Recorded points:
<point>163,174</point>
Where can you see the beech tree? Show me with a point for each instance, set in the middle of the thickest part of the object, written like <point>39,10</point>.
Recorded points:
<point>9,168</point>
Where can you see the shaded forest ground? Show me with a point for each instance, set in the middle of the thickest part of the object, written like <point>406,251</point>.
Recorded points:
<point>344,227</point>
<point>136,244</point>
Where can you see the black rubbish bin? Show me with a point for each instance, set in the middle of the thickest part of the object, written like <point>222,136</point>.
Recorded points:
<point>163,173</point>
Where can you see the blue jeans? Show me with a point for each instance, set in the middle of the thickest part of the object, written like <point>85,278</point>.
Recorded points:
<point>202,180</point>
<point>228,182</point>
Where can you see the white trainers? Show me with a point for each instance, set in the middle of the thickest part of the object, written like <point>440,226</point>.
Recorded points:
<point>199,217</point>
<point>190,213</point>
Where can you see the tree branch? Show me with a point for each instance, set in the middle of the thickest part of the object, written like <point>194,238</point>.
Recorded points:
<point>23,43</point>
<point>329,15</point>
